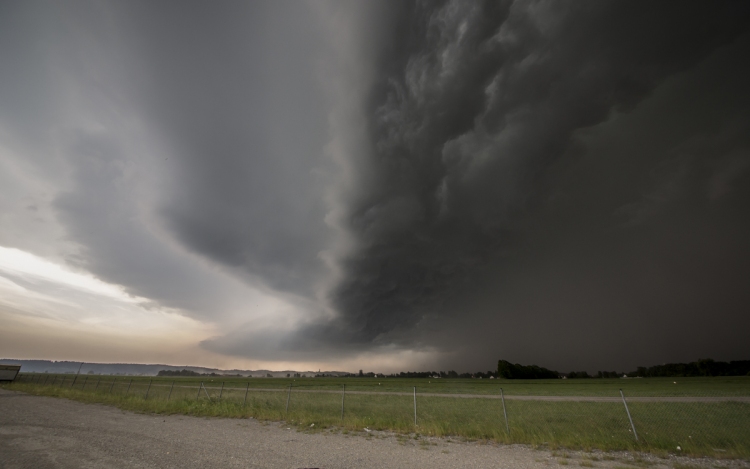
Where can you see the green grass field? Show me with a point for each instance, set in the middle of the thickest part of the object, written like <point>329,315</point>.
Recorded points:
<point>718,429</point>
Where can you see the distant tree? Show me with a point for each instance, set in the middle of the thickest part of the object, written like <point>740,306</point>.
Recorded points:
<point>508,370</point>
<point>702,367</point>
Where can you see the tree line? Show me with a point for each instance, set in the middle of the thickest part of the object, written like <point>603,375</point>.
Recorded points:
<point>188,373</point>
<point>702,367</point>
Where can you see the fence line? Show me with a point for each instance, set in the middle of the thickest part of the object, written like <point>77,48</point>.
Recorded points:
<point>719,423</point>
<point>551,398</point>
<point>629,417</point>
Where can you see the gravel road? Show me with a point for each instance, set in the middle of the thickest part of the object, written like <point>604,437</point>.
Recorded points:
<point>43,432</point>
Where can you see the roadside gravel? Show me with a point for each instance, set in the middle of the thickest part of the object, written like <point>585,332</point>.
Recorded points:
<point>43,432</point>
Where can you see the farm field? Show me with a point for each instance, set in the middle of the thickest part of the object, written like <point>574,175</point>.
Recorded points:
<point>711,416</point>
<point>716,386</point>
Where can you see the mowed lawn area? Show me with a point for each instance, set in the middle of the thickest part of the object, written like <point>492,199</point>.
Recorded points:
<point>692,416</point>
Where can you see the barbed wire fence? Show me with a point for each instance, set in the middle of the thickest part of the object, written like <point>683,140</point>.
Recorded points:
<point>700,423</point>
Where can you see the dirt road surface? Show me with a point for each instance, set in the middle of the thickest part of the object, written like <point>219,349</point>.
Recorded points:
<point>42,432</point>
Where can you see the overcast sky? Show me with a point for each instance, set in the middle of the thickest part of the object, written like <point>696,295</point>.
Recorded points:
<point>384,186</point>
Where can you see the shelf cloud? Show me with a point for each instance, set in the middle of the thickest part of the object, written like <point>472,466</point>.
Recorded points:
<point>396,184</point>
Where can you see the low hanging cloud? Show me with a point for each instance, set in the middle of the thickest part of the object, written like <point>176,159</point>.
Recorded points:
<point>470,107</point>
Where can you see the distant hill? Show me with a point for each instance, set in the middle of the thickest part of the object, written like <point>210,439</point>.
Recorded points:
<point>135,369</point>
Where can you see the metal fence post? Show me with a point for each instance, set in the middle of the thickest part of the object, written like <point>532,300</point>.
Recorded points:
<point>170,391</point>
<point>505,413</point>
<point>629,417</point>
<point>84,383</point>
<point>199,391</point>
<point>77,373</point>
<point>206,391</point>
<point>128,390</point>
<point>148,389</point>
<point>246,390</point>
<point>97,384</point>
<point>222,390</point>
<point>53,381</point>
<point>288,395</point>
<point>45,380</point>
<point>112,385</point>
<point>415,405</point>
<point>343,394</point>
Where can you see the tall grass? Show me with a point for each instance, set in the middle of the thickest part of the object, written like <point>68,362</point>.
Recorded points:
<point>719,429</point>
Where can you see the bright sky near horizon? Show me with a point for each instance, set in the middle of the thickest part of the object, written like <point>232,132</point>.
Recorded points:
<point>384,186</point>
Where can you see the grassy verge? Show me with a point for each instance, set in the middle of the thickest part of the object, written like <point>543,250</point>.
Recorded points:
<point>717,429</point>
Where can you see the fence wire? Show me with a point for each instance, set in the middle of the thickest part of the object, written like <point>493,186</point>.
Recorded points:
<point>697,421</point>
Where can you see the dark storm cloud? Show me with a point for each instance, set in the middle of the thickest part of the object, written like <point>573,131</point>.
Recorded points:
<point>116,245</point>
<point>474,105</point>
<point>197,122</point>
<point>485,180</point>
<point>234,89</point>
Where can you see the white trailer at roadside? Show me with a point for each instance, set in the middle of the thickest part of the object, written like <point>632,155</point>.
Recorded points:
<point>9,372</point>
